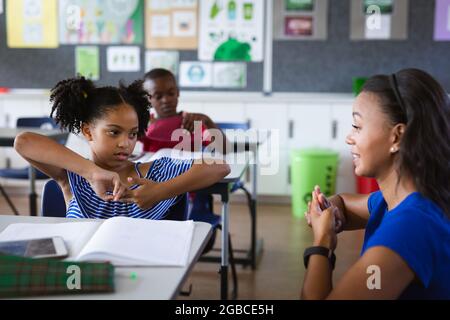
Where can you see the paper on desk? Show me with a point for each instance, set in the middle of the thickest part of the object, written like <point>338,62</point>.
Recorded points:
<point>75,234</point>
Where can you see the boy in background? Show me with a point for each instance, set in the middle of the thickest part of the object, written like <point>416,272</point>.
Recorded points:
<point>163,92</point>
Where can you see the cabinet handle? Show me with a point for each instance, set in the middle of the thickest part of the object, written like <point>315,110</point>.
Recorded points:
<point>289,175</point>
<point>247,176</point>
<point>334,127</point>
<point>291,129</point>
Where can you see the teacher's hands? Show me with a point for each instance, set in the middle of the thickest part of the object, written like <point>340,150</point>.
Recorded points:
<point>322,223</point>
<point>324,203</point>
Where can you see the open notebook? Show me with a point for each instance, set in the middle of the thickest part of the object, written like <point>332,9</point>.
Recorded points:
<point>122,241</point>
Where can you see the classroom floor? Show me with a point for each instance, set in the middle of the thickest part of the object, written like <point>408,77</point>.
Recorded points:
<point>279,274</point>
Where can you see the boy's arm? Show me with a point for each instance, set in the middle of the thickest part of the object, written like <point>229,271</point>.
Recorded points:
<point>55,159</point>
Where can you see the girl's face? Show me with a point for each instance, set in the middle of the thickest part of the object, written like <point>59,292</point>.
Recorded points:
<point>371,138</point>
<point>113,137</point>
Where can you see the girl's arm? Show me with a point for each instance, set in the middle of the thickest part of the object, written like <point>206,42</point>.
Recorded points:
<point>197,177</point>
<point>55,159</point>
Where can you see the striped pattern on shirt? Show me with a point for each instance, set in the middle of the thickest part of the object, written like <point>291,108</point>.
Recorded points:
<point>86,204</point>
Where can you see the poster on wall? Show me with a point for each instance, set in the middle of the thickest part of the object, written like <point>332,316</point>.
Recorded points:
<point>101,22</point>
<point>123,59</point>
<point>31,24</point>
<point>442,20</point>
<point>87,62</point>
<point>195,74</point>
<point>379,20</point>
<point>229,75</point>
<point>231,30</point>
<point>300,20</point>
<point>162,59</point>
<point>171,24</point>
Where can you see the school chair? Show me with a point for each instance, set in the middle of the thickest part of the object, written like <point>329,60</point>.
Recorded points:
<point>202,211</point>
<point>53,203</point>
<point>239,185</point>
<point>23,173</point>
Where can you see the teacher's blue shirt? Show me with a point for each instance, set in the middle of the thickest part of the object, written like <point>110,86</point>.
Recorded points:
<point>419,232</point>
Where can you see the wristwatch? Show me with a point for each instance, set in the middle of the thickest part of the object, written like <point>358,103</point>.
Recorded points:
<point>321,251</point>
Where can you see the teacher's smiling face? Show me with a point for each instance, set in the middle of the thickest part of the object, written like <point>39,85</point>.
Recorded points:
<point>371,137</point>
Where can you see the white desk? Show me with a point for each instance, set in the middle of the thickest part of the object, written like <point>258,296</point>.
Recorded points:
<point>161,283</point>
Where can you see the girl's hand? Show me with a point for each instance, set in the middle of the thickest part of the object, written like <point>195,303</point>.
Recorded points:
<point>144,195</point>
<point>107,184</point>
<point>325,203</point>
<point>322,223</point>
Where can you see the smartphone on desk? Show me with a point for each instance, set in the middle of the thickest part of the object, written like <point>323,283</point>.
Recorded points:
<point>53,247</point>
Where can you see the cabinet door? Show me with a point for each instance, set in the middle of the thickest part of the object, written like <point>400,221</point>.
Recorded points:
<point>270,117</point>
<point>2,124</point>
<point>225,112</point>
<point>17,107</point>
<point>194,107</point>
<point>309,125</point>
<point>342,124</point>
<point>273,178</point>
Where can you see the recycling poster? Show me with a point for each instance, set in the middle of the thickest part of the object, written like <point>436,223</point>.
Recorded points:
<point>231,30</point>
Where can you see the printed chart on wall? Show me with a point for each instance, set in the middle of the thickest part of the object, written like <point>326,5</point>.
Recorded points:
<point>379,20</point>
<point>442,21</point>
<point>171,24</point>
<point>230,75</point>
<point>87,62</point>
<point>231,30</point>
<point>300,20</point>
<point>162,59</point>
<point>31,24</point>
<point>123,59</point>
<point>195,74</point>
<point>101,21</point>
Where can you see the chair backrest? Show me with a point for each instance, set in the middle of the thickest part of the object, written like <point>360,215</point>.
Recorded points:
<point>53,203</point>
<point>37,122</point>
<point>179,211</point>
<point>40,122</point>
<point>233,125</point>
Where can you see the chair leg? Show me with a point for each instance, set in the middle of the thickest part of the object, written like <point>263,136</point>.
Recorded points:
<point>233,270</point>
<point>252,210</point>
<point>8,200</point>
<point>234,293</point>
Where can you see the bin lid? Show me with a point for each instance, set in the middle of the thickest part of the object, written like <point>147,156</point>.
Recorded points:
<point>314,152</point>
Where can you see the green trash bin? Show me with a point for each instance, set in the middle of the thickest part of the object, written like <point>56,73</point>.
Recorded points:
<point>311,167</point>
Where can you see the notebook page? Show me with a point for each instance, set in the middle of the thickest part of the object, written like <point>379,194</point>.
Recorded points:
<point>75,234</point>
<point>141,242</point>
